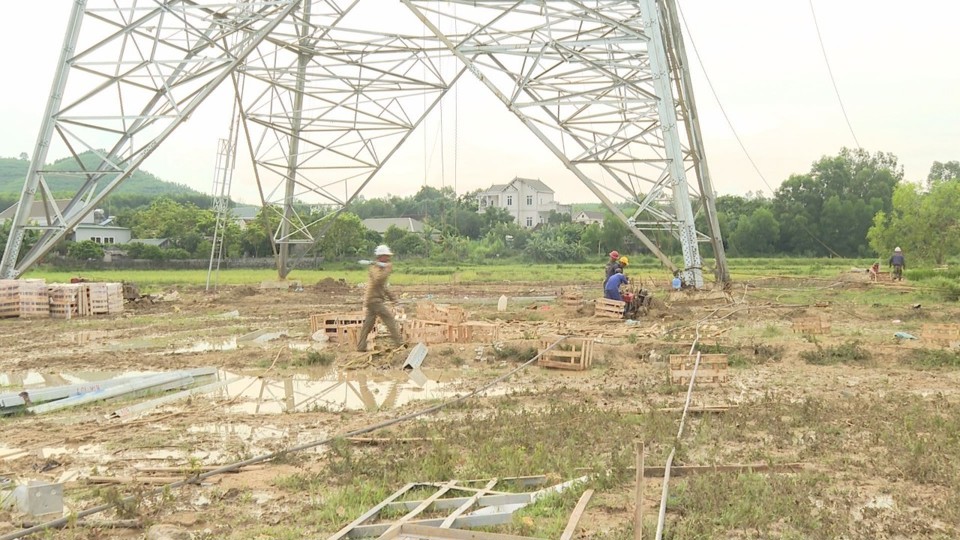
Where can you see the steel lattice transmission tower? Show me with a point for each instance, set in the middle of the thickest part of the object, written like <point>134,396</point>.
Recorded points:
<point>329,90</point>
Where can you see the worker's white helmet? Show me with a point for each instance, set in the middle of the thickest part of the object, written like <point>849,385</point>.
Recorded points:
<point>896,249</point>
<point>382,249</point>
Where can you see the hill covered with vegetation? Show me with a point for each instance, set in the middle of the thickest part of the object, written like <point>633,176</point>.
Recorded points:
<point>13,171</point>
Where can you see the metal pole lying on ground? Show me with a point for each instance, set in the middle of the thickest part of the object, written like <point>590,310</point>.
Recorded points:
<point>638,509</point>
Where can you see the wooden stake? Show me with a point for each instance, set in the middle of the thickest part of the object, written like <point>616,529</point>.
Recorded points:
<point>576,515</point>
<point>638,506</point>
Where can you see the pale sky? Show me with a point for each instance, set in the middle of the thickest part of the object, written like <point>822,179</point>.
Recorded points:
<point>896,66</point>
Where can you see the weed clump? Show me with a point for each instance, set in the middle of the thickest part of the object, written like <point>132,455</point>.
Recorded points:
<point>514,352</point>
<point>932,358</point>
<point>849,352</point>
<point>317,358</point>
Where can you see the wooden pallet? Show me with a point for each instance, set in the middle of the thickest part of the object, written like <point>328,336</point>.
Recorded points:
<point>712,370</point>
<point>333,324</point>
<point>114,298</point>
<point>9,298</point>
<point>34,301</point>
<point>811,325</point>
<point>570,298</point>
<point>612,309</point>
<point>943,335</point>
<point>477,332</point>
<point>573,353</point>
<point>64,301</point>
<point>428,332</point>
<point>428,311</point>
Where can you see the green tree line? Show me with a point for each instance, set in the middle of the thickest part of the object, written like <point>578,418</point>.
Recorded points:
<point>853,204</point>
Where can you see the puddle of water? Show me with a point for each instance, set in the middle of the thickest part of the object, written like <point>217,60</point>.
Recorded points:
<point>339,391</point>
<point>261,337</point>
<point>208,346</point>
<point>84,337</point>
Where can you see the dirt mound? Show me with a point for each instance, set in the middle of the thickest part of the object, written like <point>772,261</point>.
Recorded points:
<point>330,285</point>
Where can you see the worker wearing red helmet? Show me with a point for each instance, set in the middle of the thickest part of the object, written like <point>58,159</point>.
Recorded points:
<point>612,266</point>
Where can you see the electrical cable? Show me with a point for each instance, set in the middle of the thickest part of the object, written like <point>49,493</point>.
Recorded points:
<point>196,479</point>
<point>832,79</point>
<point>716,97</point>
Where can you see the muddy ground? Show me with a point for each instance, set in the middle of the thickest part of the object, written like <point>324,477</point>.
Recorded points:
<point>876,434</point>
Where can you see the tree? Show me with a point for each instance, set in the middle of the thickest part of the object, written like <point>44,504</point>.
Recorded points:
<point>86,250</point>
<point>829,210</point>
<point>941,172</point>
<point>756,234</point>
<point>344,237</point>
<point>404,242</point>
<point>183,223</point>
<point>925,224</point>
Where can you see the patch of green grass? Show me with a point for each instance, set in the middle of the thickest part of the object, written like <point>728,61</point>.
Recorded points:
<point>514,353</point>
<point>932,358</point>
<point>769,506</point>
<point>848,352</point>
<point>317,358</point>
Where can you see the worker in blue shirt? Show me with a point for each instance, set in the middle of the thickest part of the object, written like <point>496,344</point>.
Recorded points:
<point>898,262</point>
<point>611,289</point>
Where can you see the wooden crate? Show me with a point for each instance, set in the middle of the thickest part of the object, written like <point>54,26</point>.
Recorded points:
<point>9,298</point>
<point>114,298</point>
<point>943,335</point>
<point>477,332</point>
<point>713,368</point>
<point>574,353</point>
<point>428,311</point>
<point>612,309</point>
<point>570,298</point>
<point>34,301</point>
<point>64,301</point>
<point>428,332</point>
<point>332,324</point>
<point>811,325</point>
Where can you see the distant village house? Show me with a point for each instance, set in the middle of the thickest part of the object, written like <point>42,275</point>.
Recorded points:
<point>587,217</point>
<point>528,201</point>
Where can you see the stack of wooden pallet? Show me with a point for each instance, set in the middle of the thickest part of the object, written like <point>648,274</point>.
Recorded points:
<point>441,313</point>
<point>439,323</point>
<point>66,302</point>
<point>336,326</point>
<point>612,309</point>
<point>9,298</point>
<point>33,298</point>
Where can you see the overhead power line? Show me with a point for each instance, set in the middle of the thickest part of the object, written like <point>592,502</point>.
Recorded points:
<point>833,81</point>
<point>696,53</point>
<point>716,97</point>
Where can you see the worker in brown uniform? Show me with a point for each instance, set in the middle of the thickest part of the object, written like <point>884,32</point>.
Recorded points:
<point>377,295</point>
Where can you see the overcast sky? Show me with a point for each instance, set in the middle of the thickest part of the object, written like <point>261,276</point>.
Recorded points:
<point>897,66</point>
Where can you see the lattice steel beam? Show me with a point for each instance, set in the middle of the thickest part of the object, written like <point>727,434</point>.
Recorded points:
<point>136,72</point>
<point>327,95</point>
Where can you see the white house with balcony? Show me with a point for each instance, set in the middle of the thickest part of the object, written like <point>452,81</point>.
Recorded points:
<point>528,201</point>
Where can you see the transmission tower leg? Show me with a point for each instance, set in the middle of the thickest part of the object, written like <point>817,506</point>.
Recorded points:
<point>285,236</point>
<point>39,157</point>
<point>689,105</point>
<point>691,273</point>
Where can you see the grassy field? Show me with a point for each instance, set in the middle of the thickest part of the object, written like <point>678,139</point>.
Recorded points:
<point>420,273</point>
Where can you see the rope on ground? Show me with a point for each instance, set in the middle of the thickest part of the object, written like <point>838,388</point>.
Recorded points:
<point>196,479</point>
<point>662,517</point>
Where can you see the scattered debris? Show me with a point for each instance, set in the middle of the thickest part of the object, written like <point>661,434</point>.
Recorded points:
<point>416,357</point>
<point>490,507</point>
